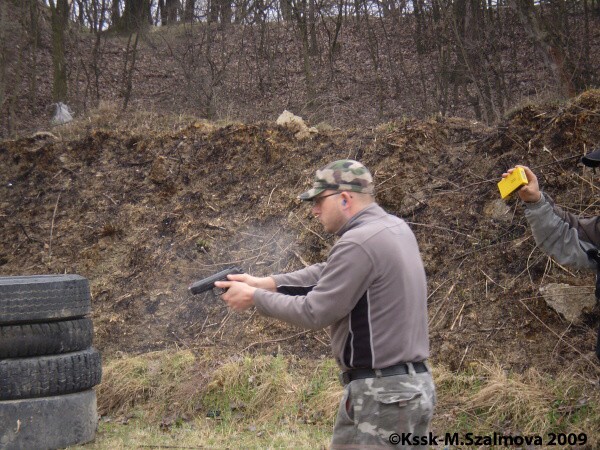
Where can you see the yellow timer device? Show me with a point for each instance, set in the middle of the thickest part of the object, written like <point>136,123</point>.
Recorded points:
<point>512,182</point>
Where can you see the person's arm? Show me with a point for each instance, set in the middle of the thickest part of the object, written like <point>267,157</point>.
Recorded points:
<point>344,279</point>
<point>299,282</point>
<point>562,235</point>
<point>267,283</point>
<point>240,288</point>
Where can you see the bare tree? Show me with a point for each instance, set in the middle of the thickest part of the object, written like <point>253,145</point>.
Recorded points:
<point>204,60</point>
<point>4,57</point>
<point>60,21</point>
<point>300,13</point>
<point>136,16</point>
<point>173,9</point>
<point>548,43</point>
<point>333,47</point>
<point>220,11</point>
<point>189,10</point>
<point>33,44</point>
<point>96,13</point>
<point>115,13</point>
<point>129,67</point>
<point>286,9</point>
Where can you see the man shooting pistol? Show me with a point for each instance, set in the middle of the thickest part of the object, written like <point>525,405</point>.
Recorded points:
<point>372,294</point>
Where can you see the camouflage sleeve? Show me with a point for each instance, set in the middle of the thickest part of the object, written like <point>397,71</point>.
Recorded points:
<point>344,279</point>
<point>561,235</point>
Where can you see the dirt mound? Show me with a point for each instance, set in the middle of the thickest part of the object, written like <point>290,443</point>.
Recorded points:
<point>144,211</point>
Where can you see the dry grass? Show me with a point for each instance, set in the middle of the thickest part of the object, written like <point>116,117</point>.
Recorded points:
<point>487,399</point>
<point>251,385</point>
<point>268,388</point>
<point>322,391</point>
<point>160,382</point>
<point>181,384</point>
<point>507,398</point>
<point>147,122</point>
<point>274,393</point>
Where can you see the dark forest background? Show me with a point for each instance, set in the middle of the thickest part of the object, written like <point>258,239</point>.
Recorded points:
<point>343,62</point>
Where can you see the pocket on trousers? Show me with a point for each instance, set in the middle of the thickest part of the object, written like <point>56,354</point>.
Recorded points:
<point>347,408</point>
<point>344,430</point>
<point>399,398</point>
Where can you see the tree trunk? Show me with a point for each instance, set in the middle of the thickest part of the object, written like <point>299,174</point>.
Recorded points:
<point>314,45</point>
<point>3,55</point>
<point>189,12</point>
<point>172,11</point>
<point>80,13</point>
<point>587,63</point>
<point>286,9</point>
<point>420,31</point>
<point>162,11</point>
<point>226,11</point>
<point>300,14</point>
<point>33,45</point>
<point>135,15</point>
<point>60,21</point>
<point>129,69</point>
<point>213,11</point>
<point>115,13</point>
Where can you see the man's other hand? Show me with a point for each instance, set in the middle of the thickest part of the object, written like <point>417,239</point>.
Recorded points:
<point>239,296</point>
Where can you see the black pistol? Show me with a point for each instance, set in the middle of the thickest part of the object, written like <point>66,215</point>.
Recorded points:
<point>209,283</point>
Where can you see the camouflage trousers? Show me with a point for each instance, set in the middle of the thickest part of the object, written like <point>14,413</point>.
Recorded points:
<point>375,412</point>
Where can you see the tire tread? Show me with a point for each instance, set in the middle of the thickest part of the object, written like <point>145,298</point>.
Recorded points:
<point>22,378</point>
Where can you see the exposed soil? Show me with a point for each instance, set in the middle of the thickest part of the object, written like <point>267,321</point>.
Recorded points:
<point>144,213</point>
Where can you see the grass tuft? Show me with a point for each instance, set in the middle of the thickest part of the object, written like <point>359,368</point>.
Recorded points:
<point>160,383</point>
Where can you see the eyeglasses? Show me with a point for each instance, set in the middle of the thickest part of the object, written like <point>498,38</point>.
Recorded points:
<point>318,200</point>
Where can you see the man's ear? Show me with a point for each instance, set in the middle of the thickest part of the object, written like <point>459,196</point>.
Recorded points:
<point>345,197</point>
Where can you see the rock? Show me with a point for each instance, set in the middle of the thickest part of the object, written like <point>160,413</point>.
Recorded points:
<point>295,124</point>
<point>159,172</point>
<point>62,114</point>
<point>569,301</point>
<point>498,210</point>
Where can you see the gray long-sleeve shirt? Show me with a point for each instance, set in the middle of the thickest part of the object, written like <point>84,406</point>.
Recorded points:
<point>372,291</point>
<point>563,235</point>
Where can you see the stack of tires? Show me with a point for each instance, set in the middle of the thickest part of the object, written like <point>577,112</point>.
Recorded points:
<point>47,364</point>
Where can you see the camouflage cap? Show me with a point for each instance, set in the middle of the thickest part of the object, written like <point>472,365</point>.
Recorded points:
<point>342,175</point>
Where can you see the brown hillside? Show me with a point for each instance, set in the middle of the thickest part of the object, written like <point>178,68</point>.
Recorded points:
<point>143,207</point>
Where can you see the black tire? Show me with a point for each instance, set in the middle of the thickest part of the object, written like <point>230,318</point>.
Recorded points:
<point>48,422</point>
<point>49,375</point>
<point>42,298</point>
<point>49,338</point>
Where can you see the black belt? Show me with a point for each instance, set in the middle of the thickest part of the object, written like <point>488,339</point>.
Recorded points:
<point>398,369</point>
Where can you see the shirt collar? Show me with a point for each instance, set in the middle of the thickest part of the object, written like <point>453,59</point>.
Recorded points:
<point>371,211</point>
